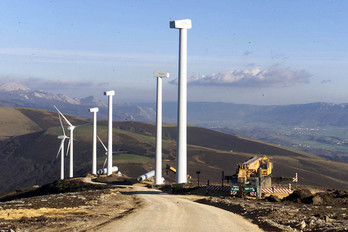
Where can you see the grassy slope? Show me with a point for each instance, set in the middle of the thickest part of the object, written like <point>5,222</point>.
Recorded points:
<point>212,151</point>
<point>46,119</point>
<point>209,151</point>
<point>13,122</point>
<point>20,121</point>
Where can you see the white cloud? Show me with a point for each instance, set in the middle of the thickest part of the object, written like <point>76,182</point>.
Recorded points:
<point>247,53</point>
<point>48,85</point>
<point>83,57</point>
<point>274,76</point>
<point>325,81</point>
<point>38,84</point>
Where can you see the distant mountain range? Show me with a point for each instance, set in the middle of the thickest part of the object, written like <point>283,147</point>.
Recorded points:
<point>207,114</point>
<point>18,95</point>
<point>219,114</point>
<point>15,93</point>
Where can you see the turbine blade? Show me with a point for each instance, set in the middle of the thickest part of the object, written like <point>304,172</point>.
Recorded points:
<point>60,148</point>
<point>105,162</point>
<point>67,150</point>
<point>67,121</point>
<point>102,143</point>
<point>61,124</point>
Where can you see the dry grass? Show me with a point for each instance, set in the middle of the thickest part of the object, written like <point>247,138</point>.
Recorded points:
<point>15,214</point>
<point>14,123</point>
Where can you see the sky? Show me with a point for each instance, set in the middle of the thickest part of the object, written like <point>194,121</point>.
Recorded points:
<point>250,52</point>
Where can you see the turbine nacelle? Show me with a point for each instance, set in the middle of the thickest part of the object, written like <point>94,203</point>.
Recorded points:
<point>92,110</point>
<point>160,74</point>
<point>109,93</point>
<point>181,24</point>
<point>63,137</point>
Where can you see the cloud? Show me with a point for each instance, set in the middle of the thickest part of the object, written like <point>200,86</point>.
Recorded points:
<point>47,85</point>
<point>82,56</point>
<point>274,76</point>
<point>38,83</point>
<point>247,53</point>
<point>103,84</point>
<point>325,81</point>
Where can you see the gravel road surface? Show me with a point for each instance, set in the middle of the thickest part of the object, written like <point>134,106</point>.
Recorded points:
<point>163,212</point>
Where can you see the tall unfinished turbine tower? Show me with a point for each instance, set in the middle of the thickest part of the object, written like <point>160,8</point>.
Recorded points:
<point>158,161</point>
<point>182,25</point>
<point>94,155</point>
<point>110,94</point>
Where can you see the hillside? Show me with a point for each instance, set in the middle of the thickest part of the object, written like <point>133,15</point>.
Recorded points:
<point>15,121</point>
<point>222,151</point>
<point>208,114</point>
<point>318,128</point>
<point>29,157</point>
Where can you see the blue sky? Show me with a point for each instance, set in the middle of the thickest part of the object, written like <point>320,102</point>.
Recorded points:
<point>255,52</point>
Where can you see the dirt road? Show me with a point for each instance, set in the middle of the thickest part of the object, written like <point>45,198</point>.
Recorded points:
<point>163,212</point>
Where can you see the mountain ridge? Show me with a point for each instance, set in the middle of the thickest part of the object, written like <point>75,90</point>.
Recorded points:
<point>319,128</point>
<point>207,114</point>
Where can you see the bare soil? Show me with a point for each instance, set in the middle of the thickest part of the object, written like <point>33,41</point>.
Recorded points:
<point>306,209</point>
<point>81,204</point>
<point>84,210</point>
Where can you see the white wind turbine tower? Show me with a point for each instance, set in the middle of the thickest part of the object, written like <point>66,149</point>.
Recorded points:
<point>61,149</point>
<point>110,94</point>
<point>182,25</point>
<point>105,170</point>
<point>71,143</point>
<point>94,156</point>
<point>158,160</point>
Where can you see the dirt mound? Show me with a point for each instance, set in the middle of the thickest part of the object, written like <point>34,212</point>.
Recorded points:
<point>273,198</point>
<point>334,197</point>
<point>59,186</point>
<point>118,180</point>
<point>329,197</point>
<point>300,196</point>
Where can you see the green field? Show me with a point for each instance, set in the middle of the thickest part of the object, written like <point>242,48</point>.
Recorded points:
<point>125,158</point>
<point>329,142</point>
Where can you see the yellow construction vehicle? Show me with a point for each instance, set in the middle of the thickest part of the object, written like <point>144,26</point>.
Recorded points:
<point>172,169</point>
<point>251,175</point>
<point>251,167</point>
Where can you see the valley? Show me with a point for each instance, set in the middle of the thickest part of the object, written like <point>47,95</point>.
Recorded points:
<point>330,142</point>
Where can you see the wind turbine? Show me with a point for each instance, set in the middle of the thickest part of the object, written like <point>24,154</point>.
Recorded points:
<point>71,143</point>
<point>105,170</point>
<point>61,149</point>
<point>181,173</point>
